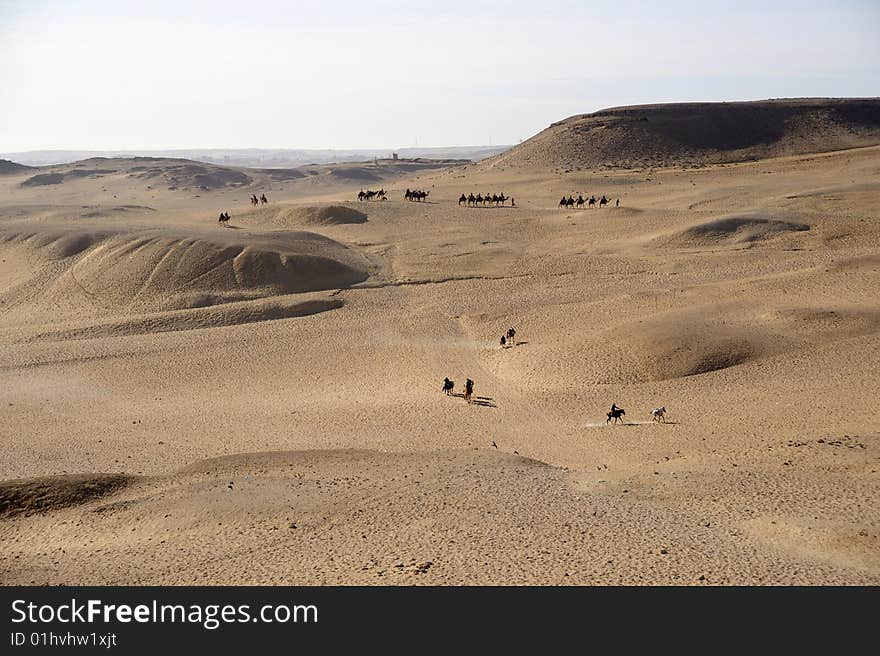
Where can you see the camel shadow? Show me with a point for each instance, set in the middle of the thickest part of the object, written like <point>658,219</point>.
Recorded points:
<point>231,227</point>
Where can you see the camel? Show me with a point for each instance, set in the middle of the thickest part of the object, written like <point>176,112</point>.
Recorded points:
<point>603,202</point>
<point>580,201</point>
<point>370,195</point>
<point>591,202</point>
<point>659,414</point>
<point>462,199</point>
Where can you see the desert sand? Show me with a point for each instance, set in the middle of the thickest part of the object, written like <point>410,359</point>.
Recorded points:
<point>259,403</point>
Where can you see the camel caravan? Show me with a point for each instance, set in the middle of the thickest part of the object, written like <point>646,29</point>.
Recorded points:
<point>417,195</point>
<point>580,201</point>
<point>369,194</point>
<point>490,200</point>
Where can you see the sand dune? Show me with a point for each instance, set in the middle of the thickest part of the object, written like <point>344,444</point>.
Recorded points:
<point>696,134</point>
<point>7,167</point>
<point>294,216</point>
<point>226,314</point>
<point>38,495</point>
<point>416,518</point>
<point>150,271</point>
<point>729,230</point>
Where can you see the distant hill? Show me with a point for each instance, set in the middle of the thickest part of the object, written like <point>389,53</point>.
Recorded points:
<point>181,174</point>
<point>695,134</point>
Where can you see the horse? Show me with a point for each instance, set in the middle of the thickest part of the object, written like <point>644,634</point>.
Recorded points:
<point>448,386</point>
<point>616,415</point>
<point>659,414</point>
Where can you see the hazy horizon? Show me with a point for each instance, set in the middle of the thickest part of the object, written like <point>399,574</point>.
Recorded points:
<point>99,76</point>
<point>256,157</point>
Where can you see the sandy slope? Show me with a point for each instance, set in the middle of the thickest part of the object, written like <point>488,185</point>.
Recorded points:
<point>696,134</point>
<point>277,416</point>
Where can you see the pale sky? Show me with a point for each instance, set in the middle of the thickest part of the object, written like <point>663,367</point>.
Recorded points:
<point>100,74</point>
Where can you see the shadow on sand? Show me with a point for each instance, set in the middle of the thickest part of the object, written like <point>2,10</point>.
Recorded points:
<point>485,401</point>
<point>641,423</point>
